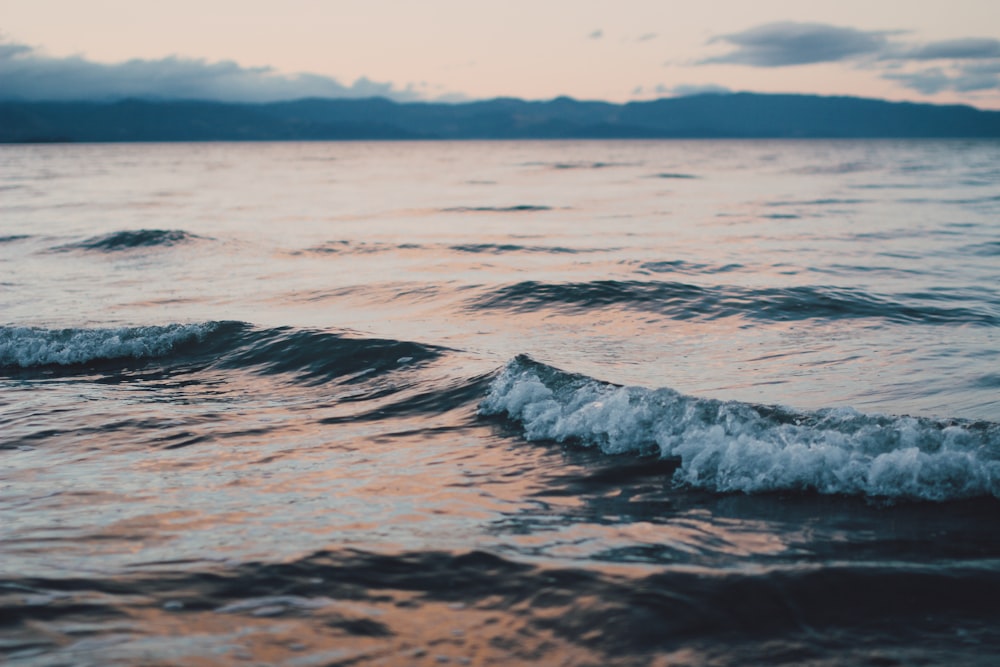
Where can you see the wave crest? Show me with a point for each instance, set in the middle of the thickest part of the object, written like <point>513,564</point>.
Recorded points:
<point>685,301</point>
<point>30,347</point>
<point>739,447</point>
<point>309,357</point>
<point>315,357</point>
<point>133,238</point>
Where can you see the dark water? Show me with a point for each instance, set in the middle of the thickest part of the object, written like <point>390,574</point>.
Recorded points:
<point>600,403</point>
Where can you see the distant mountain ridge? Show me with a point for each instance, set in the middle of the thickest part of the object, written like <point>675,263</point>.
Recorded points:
<point>729,115</point>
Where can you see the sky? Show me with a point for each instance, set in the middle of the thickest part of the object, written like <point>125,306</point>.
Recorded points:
<point>453,50</point>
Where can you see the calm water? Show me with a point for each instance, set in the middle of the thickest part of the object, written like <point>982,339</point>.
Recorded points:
<point>598,403</point>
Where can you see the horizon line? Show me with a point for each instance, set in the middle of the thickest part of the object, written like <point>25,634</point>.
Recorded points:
<point>500,98</point>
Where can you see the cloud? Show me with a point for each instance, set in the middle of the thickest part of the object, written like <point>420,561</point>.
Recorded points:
<point>786,43</point>
<point>969,48</point>
<point>687,89</point>
<point>969,64</point>
<point>936,80</point>
<point>28,74</point>
<point>10,50</point>
<point>682,90</point>
<point>989,67</point>
<point>928,81</point>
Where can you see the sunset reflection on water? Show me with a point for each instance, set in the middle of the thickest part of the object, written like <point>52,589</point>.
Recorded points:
<point>414,403</point>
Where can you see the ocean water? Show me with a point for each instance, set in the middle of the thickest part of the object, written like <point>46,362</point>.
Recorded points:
<point>555,403</point>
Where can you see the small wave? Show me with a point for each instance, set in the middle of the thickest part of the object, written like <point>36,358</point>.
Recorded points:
<point>368,248</point>
<point>32,347</point>
<point>988,249</point>
<point>986,199</point>
<point>128,239</point>
<point>739,447</point>
<point>681,266</point>
<point>532,295</point>
<point>685,301</point>
<point>311,357</point>
<point>520,208</point>
<point>562,166</point>
<point>504,611</point>
<point>831,201</point>
<point>834,168</point>
<point>13,237</point>
<point>356,248</point>
<point>494,248</point>
<point>671,175</point>
<point>315,357</point>
<point>425,398</point>
<point>589,165</point>
<point>330,247</point>
<point>988,381</point>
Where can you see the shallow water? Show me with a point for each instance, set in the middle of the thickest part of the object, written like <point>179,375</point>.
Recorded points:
<point>505,402</point>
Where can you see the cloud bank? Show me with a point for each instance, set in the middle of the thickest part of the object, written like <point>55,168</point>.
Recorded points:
<point>786,43</point>
<point>28,74</point>
<point>972,48</point>
<point>963,65</point>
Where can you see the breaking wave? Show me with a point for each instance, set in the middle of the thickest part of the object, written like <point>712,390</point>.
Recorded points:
<point>31,347</point>
<point>739,447</point>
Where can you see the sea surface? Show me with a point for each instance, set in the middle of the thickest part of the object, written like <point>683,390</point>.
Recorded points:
<point>497,403</point>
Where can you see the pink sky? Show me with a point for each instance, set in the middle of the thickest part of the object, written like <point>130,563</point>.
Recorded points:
<point>589,49</point>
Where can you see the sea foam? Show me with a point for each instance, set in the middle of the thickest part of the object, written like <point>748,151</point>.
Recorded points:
<point>728,446</point>
<point>29,347</point>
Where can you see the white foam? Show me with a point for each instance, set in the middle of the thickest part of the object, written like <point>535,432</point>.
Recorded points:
<point>730,446</point>
<point>28,347</point>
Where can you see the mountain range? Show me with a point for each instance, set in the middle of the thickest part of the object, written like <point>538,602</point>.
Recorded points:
<point>716,115</point>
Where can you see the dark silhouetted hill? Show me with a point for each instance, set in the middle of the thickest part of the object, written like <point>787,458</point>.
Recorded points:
<point>736,115</point>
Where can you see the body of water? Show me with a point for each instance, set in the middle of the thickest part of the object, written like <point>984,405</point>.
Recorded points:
<point>554,403</point>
